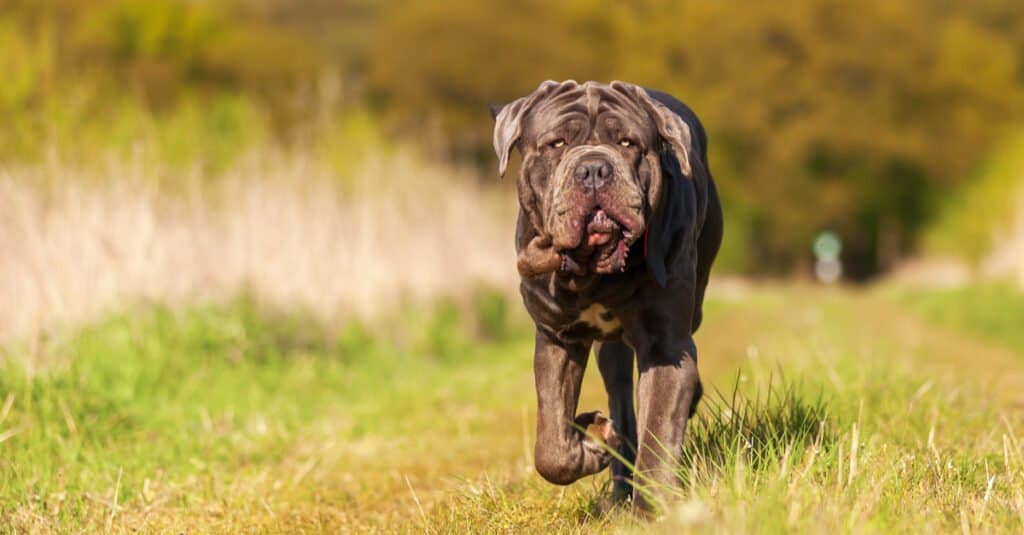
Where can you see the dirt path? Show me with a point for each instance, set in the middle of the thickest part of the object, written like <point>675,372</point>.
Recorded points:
<point>999,368</point>
<point>760,327</point>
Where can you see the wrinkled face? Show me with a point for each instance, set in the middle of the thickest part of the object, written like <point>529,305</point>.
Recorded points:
<point>590,164</point>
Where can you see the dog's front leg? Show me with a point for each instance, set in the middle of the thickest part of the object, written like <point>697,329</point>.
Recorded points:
<point>616,362</point>
<point>667,390</point>
<point>562,453</point>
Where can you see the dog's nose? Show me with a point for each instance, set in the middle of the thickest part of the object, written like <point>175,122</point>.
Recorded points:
<point>593,172</point>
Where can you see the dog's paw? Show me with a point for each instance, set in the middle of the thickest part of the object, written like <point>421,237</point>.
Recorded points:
<point>599,431</point>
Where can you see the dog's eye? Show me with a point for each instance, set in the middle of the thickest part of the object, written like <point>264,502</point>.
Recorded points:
<point>625,142</point>
<point>557,144</point>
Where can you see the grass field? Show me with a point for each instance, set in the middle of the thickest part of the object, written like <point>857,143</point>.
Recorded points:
<point>990,311</point>
<point>834,411</point>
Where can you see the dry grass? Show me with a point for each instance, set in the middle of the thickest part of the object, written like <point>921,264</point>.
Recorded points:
<point>76,244</point>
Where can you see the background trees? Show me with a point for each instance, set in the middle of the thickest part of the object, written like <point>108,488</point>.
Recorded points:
<point>855,117</point>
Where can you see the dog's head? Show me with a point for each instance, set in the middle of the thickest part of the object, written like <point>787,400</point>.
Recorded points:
<point>592,174</point>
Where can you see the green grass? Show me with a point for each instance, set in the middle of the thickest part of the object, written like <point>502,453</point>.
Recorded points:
<point>826,411</point>
<point>990,311</point>
<point>968,221</point>
<point>177,408</point>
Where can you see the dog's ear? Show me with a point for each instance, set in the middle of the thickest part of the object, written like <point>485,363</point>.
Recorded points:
<point>495,109</point>
<point>667,220</point>
<point>508,121</point>
<point>671,127</point>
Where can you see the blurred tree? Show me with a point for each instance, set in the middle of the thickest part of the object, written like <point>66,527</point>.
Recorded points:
<point>162,50</point>
<point>439,64</point>
<point>825,114</point>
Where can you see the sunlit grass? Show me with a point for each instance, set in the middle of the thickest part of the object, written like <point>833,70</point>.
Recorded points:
<point>991,311</point>
<point>839,421</point>
<point>244,417</point>
<point>229,407</point>
<point>787,462</point>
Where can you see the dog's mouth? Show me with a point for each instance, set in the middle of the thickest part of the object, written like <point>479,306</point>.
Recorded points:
<point>605,248</point>
<point>601,229</point>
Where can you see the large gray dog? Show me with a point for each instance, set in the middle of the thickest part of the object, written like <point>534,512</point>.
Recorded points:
<point>619,222</point>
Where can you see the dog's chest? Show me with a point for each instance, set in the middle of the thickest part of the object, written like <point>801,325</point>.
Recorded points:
<point>600,319</point>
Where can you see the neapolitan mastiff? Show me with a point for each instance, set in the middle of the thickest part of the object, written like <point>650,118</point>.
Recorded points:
<point>618,225</point>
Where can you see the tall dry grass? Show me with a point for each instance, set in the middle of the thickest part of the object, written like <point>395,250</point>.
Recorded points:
<point>76,244</point>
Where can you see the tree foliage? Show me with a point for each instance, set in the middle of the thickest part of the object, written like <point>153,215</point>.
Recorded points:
<point>823,115</point>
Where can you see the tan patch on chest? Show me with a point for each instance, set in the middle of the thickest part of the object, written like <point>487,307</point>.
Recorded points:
<point>600,318</point>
